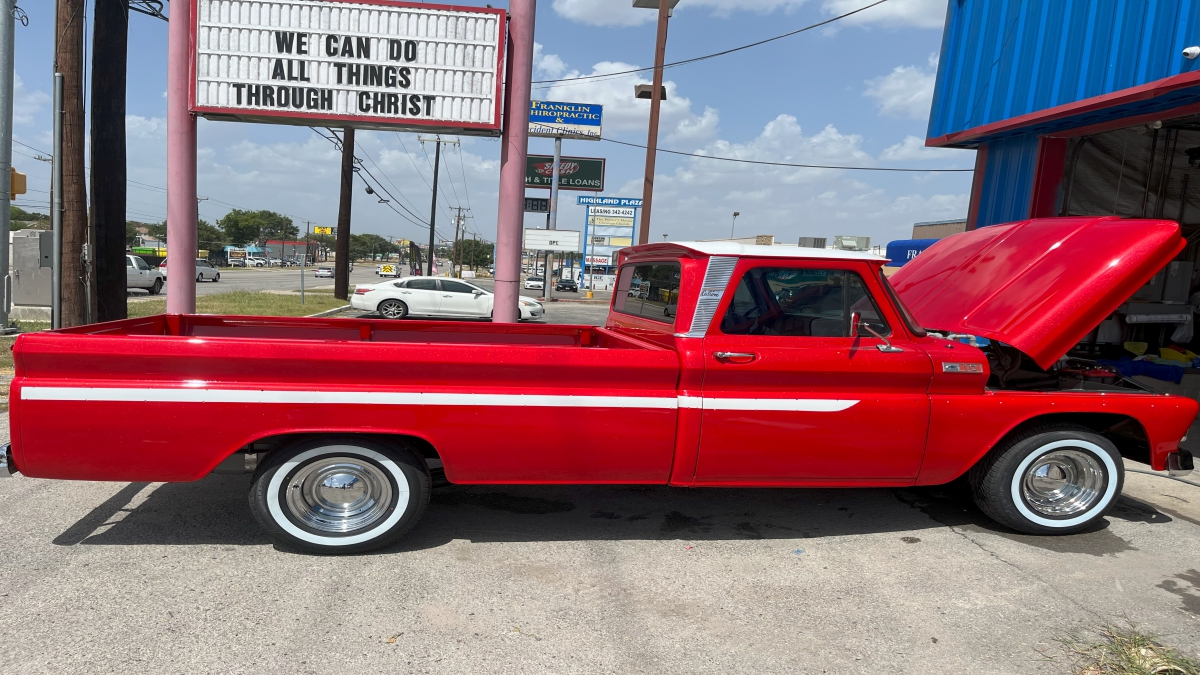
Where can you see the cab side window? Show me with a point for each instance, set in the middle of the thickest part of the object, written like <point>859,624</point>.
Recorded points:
<point>423,284</point>
<point>797,302</point>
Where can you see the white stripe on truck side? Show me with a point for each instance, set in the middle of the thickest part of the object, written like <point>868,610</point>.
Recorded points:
<point>199,395</point>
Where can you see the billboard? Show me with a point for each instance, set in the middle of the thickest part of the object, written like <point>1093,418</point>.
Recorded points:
<point>363,63</point>
<point>574,173</point>
<point>579,121</point>
<point>551,240</point>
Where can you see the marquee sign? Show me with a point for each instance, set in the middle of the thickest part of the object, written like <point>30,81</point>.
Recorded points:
<point>371,64</point>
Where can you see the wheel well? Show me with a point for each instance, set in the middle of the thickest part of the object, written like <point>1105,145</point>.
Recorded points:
<point>1124,431</point>
<point>422,447</point>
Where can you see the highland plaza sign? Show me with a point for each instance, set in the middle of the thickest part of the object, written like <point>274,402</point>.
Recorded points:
<point>361,63</point>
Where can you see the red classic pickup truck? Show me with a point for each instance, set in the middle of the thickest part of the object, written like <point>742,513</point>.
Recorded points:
<point>719,365</point>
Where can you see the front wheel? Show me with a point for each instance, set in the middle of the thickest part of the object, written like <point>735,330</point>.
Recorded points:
<point>339,495</point>
<point>1055,479</point>
<point>393,309</point>
<point>156,287</point>
<point>217,278</point>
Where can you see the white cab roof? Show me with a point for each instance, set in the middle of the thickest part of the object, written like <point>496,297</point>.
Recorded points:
<point>749,250</point>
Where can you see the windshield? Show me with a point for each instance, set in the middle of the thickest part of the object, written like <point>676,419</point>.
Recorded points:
<point>909,319</point>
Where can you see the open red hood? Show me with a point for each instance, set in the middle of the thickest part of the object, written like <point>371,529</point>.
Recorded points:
<point>1039,285</point>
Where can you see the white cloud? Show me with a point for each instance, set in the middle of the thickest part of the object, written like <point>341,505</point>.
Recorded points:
<point>547,65</point>
<point>905,92</point>
<point>623,112</point>
<point>696,199</point>
<point>893,14</point>
<point>622,12</point>
<point>27,103</point>
<point>912,149</point>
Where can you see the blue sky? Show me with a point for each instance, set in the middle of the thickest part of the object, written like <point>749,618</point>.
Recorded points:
<point>854,93</point>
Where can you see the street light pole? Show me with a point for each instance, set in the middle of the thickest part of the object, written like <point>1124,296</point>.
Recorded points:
<point>660,54</point>
<point>735,215</point>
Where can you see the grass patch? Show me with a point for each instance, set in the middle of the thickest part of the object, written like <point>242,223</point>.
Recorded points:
<point>246,303</point>
<point>1116,650</point>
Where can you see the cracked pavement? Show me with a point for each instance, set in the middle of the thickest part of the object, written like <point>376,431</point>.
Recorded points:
<point>150,578</point>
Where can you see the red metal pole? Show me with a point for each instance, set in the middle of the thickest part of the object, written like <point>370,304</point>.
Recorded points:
<point>181,166</point>
<point>660,55</point>
<point>514,148</point>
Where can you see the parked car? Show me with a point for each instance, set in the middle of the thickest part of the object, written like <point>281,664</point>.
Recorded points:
<point>205,270</point>
<point>849,382</point>
<point>567,285</point>
<point>534,283</point>
<point>139,274</point>
<point>237,262</point>
<point>323,273</point>
<point>433,297</point>
<point>256,262</point>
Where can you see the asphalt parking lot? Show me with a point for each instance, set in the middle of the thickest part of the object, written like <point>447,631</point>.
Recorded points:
<point>156,578</point>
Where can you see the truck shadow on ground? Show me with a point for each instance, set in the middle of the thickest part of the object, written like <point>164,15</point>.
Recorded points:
<point>214,511</point>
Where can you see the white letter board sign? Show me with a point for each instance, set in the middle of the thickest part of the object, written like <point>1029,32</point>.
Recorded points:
<point>370,64</point>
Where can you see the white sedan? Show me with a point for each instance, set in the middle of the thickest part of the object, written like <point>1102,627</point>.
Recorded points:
<point>433,297</point>
<point>323,273</point>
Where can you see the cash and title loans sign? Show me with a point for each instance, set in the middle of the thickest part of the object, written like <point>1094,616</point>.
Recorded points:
<point>578,121</point>
<point>574,173</point>
<point>374,65</point>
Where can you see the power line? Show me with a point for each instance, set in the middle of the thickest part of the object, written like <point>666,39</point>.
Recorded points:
<point>799,166</point>
<point>357,160</point>
<point>716,54</point>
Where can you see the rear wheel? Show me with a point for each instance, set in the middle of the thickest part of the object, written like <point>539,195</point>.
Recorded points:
<point>393,309</point>
<point>156,287</point>
<point>1049,480</point>
<point>339,495</point>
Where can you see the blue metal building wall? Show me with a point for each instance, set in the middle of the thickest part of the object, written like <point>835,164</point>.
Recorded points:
<point>1005,58</point>
<point>1008,180</point>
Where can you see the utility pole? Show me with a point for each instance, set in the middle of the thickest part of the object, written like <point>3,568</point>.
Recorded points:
<point>8,35</point>
<point>552,220</point>
<point>110,37</point>
<point>68,60</point>
<point>56,207</point>
<point>454,252</point>
<point>437,162</point>
<point>341,271</point>
<point>660,55</point>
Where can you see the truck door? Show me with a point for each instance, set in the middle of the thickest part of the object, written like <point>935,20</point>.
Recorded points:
<point>791,396</point>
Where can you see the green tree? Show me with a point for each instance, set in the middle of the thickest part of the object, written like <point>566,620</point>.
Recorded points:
<point>277,226</point>
<point>157,230</point>
<point>18,214</point>
<point>472,253</point>
<point>241,227</point>
<point>209,237</point>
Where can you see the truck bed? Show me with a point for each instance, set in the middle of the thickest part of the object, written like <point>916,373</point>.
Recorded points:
<point>166,398</point>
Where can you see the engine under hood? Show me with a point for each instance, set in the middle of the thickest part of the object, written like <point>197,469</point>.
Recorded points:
<point>1039,285</point>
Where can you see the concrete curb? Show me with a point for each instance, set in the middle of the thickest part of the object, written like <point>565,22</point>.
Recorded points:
<point>327,312</point>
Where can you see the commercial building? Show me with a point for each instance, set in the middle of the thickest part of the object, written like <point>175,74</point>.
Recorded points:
<point>1076,107</point>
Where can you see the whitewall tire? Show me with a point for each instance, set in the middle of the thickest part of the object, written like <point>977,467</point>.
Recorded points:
<point>339,495</point>
<point>1055,479</point>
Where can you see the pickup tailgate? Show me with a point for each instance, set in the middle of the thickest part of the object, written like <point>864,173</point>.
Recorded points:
<point>166,399</point>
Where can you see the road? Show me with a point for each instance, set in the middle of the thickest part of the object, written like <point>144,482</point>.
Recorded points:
<point>167,578</point>
<point>572,311</point>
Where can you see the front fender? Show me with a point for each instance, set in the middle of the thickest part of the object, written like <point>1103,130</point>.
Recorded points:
<point>964,428</point>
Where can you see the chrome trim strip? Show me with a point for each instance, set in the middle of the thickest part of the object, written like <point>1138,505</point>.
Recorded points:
<point>716,278</point>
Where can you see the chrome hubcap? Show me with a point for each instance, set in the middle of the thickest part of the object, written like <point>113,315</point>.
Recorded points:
<point>391,310</point>
<point>339,494</point>
<point>1063,483</point>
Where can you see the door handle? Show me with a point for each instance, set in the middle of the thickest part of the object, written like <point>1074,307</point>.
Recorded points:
<point>736,357</point>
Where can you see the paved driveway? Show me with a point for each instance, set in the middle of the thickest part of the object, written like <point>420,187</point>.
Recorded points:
<point>176,578</point>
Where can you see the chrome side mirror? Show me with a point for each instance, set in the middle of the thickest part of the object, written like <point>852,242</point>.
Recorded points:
<point>887,347</point>
<point>855,321</point>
